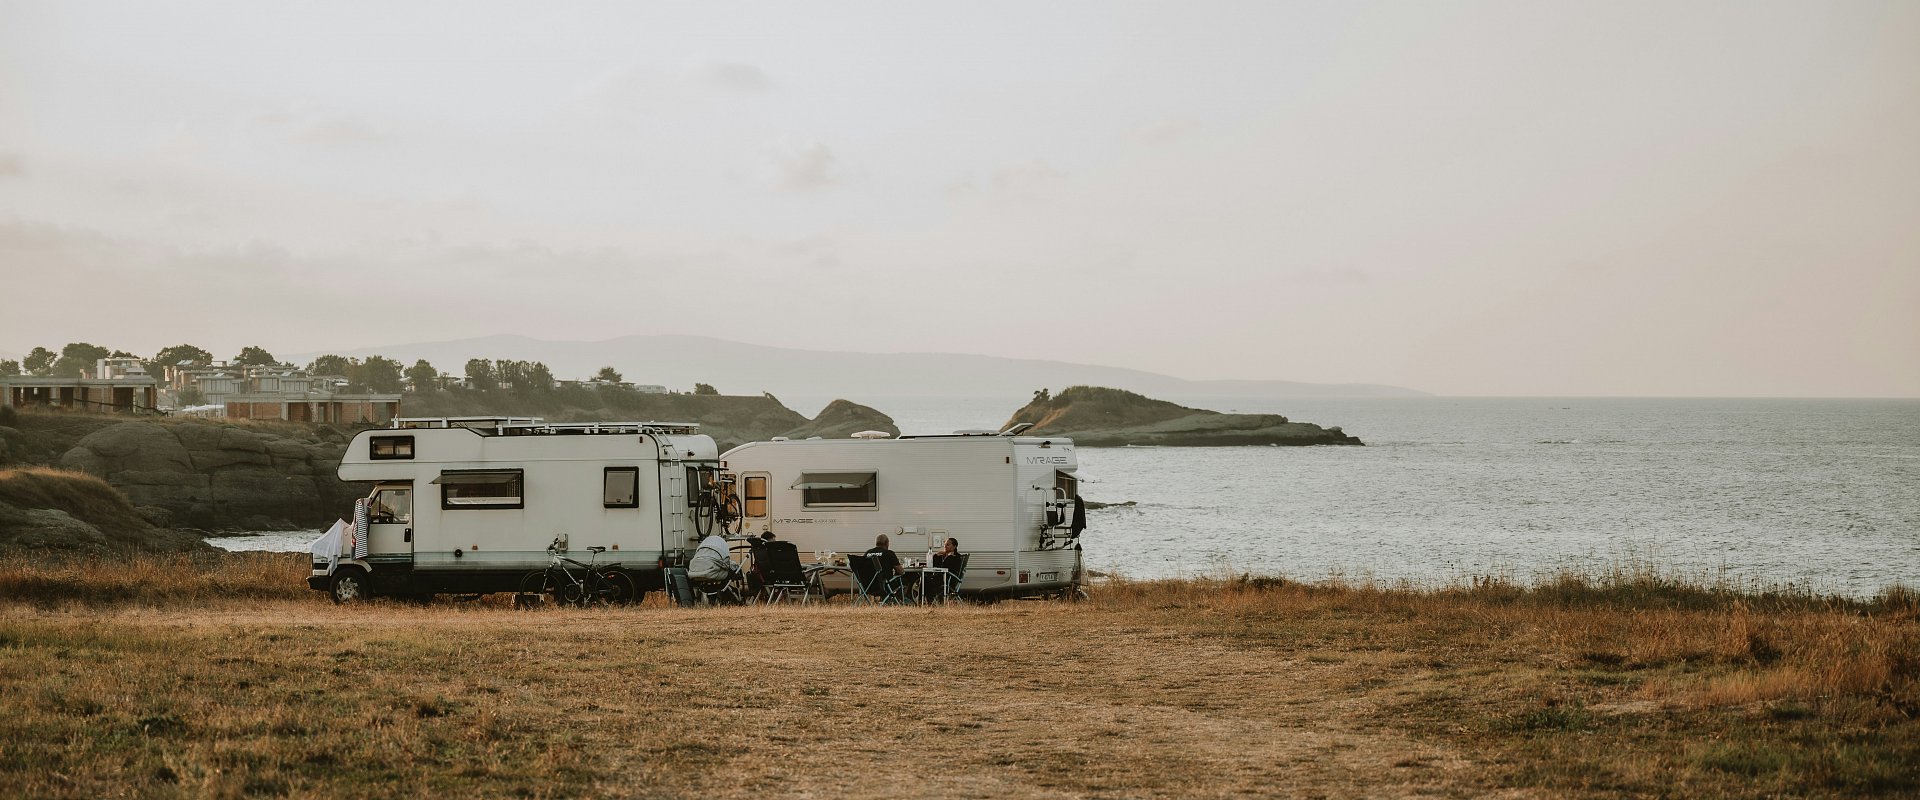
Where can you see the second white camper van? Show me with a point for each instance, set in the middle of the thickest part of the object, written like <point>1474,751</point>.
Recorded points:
<point>1009,500</point>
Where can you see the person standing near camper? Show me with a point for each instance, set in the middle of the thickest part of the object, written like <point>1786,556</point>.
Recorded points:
<point>888,561</point>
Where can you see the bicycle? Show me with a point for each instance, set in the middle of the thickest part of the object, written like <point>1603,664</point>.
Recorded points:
<point>592,582</point>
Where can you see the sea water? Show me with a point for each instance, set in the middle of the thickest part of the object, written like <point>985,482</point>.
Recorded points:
<point>1823,494</point>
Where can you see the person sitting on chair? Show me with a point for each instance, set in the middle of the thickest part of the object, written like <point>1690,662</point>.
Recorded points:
<point>888,561</point>
<point>757,574</point>
<point>947,558</point>
<point>945,555</point>
<point>711,566</point>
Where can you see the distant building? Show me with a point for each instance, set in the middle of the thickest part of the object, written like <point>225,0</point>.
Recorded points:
<point>278,392</point>
<point>114,384</point>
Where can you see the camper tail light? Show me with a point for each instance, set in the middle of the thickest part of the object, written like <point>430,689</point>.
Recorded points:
<point>1023,576</point>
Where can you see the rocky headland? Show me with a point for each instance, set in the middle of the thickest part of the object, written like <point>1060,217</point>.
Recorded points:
<point>844,418</point>
<point>1099,417</point>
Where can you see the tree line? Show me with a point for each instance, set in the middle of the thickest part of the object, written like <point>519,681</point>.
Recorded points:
<point>371,374</point>
<point>78,357</point>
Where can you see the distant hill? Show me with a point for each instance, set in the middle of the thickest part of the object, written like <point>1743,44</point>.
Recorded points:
<point>678,362</point>
<point>1096,416</point>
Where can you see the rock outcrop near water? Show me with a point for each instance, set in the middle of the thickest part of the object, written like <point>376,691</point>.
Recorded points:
<point>205,474</point>
<point>844,418</point>
<point>48,510</point>
<point>1098,417</point>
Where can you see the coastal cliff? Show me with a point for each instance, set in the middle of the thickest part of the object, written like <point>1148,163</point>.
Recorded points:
<point>1099,417</point>
<point>211,475</point>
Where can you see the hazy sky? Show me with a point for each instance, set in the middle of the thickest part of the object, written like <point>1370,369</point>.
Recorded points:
<point>1660,198</point>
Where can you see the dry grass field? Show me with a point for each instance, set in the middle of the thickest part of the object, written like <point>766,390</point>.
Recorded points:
<point>227,678</point>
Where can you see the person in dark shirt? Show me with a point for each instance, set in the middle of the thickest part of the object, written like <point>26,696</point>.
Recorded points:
<point>946,553</point>
<point>942,585</point>
<point>757,577</point>
<point>888,561</point>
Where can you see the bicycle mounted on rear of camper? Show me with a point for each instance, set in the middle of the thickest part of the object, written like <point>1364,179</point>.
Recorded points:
<point>575,583</point>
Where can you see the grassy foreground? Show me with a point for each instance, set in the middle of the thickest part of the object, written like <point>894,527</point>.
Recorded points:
<point>226,677</point>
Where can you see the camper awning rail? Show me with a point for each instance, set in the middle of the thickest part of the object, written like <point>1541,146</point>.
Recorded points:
<point>833,480</point>
<point>478,477</point>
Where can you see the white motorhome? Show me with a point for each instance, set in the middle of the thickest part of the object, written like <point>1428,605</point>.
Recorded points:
<point>469,505</point>
<point>1009,500</point>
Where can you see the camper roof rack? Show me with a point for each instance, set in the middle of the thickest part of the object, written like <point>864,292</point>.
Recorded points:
<point>535,426</point>
<point>462,422</point>
<point>598,428</point>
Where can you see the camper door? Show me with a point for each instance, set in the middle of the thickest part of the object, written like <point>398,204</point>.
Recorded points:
<point>390,519</point>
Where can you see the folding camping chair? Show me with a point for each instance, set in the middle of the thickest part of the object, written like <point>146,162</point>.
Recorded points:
<point>779,562</point>
<point>956,567</point>
<point>872,582</point>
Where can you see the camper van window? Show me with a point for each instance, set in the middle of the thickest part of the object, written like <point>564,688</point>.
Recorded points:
<point>837,488</point>
<point>1068,485</point>
<point>756,495</point>
<point>620,488</point>
<point>387,448</point>
<point>480,488</point>
<point>392,505</point>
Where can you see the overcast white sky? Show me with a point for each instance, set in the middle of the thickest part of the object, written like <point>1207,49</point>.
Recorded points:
<point>1601,198</point>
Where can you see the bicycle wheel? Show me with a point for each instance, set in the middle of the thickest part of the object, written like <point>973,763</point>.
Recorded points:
<point>615,587</point>
<point>730,514</point>
<point>571,590</point>
<point>534,590</point>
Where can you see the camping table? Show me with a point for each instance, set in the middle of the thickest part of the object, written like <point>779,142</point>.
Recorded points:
<point>815,571</point>
<point>919,575</point>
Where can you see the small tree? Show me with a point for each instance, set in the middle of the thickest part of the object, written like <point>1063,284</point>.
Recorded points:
<point>78,357</point>
<point>176,355</point>
<point>254,357</point>
<point>380,374</point>
<point>192,396</point>
<point>422,377</point>
<point>331,365</point>
<point>480,375</point>
<point>608,374</point>
<point>511,374</point>
<point>9,366</point>
<point>704,388</point>
<point>539,378</point>
<point>40,361</point>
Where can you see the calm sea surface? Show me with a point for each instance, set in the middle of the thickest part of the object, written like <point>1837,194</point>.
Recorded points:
<point>1819,493</point>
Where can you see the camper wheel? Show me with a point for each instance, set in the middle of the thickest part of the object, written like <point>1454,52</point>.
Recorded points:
<point>349,585</point>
